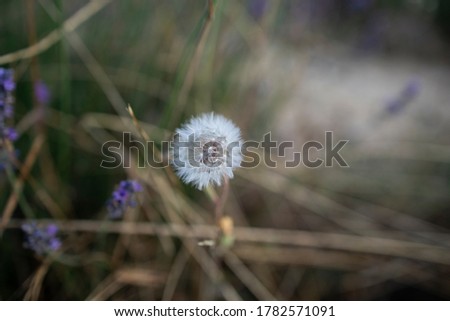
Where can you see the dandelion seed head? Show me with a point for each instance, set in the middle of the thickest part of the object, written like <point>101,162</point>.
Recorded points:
<point>206,149</point>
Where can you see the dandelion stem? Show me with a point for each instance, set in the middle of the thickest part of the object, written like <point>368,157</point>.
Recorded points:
<point>220,202</point>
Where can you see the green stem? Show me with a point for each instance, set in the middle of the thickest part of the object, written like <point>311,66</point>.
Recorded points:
<point>64,150</point>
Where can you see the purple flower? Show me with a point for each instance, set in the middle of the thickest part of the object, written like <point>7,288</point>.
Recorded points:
<point>41,239</point>
<point>123,196</point>
<point>11,134</point>
<point>409,92</point>
<point>7,86</point>
<point>52,229</point>
<point>8,111</point>
<point>7,79</point>
<point>42,93</point>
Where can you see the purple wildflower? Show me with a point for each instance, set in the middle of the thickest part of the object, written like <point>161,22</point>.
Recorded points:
<point>10,133</point>
<point>42,93</point>
<point>7,86</point>
<point>124,196</point>
<point>41,239</point>
<point>409,92</point>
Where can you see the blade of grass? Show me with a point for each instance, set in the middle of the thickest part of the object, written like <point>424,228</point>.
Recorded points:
<point>187,67</point>
<point>64,157</point>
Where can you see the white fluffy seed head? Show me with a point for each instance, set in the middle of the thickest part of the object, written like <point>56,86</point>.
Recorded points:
<point>206,149</point>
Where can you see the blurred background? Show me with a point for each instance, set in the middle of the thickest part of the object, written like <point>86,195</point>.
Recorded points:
<point>375,72</point>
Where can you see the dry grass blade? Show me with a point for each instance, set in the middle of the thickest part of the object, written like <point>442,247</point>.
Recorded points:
<point>117,124</point>
<point>18,184</point>
<point>248,278</point>
<point>174,274</point>
<point>282,255</point>
<point>105,289</point>
<point>395,269</point>
<point>140,277</point>
<point>53,37</point>
<point>333,241</point>
<point>334,211</point>
<point>290,282</point>
<point>193,66</point>
<point>211,269</point>
<point>314,202</point>
<point>153,150</point>
<point>36,283</point>
<point>141,131</point>
<point>352,243</point>
<point>98,73</point>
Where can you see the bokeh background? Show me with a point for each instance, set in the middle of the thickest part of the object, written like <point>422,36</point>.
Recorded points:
<point>375,72</point>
